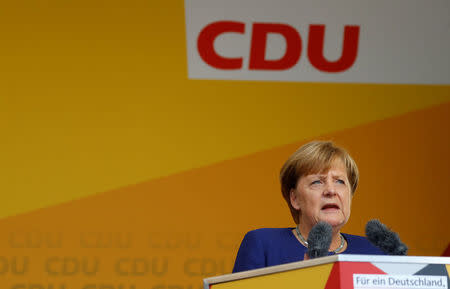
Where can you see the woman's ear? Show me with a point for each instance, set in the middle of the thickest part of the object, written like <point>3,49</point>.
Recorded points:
<point>295,202</point>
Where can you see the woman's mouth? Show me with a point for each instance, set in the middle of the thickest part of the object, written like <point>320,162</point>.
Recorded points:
<point>330,207</point>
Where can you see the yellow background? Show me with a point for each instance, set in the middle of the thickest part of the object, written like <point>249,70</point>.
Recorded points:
<point>104,139</point>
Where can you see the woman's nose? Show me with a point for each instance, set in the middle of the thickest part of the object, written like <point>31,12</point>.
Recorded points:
<point>330,189</point>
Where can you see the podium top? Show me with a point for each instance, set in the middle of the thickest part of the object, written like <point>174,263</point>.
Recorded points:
<point>326,260</point>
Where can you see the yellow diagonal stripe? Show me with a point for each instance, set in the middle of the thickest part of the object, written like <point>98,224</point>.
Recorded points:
<point>311,277</point>
<point>94,95</point>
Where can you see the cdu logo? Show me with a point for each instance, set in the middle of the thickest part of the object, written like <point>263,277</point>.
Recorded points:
<point>294,46</point>
<point>355,41</point>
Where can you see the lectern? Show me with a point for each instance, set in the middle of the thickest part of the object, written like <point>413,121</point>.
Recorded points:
<point>343,272</point>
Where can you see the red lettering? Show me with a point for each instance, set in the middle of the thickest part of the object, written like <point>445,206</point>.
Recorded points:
<point>349,49</point>
<point>258,47</point>
<point>205,44</point>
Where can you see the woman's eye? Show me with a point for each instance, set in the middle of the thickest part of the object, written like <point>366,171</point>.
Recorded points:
<point>316,182</point>
<point>341,181</point>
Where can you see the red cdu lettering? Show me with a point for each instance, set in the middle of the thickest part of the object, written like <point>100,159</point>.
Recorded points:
<point>258,47</point>
<point>349,49</point>
<point>205,44</point>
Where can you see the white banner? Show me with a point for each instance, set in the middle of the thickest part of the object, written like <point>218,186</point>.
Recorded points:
<point>362,41</point>
<point>375,281</point>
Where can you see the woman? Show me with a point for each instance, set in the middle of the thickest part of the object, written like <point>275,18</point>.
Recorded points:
<point>318,182</point>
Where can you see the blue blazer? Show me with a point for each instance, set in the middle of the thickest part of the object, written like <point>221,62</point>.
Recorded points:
<point>274,246</point>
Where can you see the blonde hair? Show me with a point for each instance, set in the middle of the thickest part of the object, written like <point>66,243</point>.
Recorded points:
<point>312,158</point>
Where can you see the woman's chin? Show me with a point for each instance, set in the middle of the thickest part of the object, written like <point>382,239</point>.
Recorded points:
<point>334,221</point>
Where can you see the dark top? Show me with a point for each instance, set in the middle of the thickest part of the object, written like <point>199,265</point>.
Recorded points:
<point>274,246</point>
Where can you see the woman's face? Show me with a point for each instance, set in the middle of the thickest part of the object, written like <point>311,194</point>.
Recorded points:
<point>323,197</point>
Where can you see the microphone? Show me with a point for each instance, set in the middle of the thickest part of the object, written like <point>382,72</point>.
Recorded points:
<point>319,240</point>
<point>388,241</point>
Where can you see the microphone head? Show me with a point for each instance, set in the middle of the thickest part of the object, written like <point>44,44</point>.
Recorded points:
<point>388,241</point>
<point>319,240</point>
